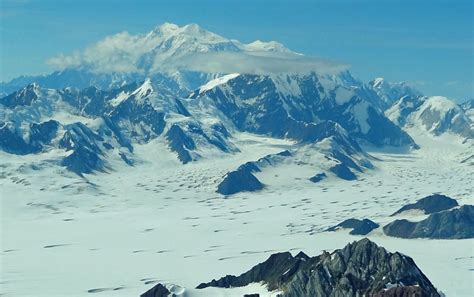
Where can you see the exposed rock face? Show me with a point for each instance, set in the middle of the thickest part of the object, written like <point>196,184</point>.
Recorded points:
<point>430,204</point>
<point>180,143</point>
<point>318,177</point>
<point>360,269</point>
<point>186,136</point>
<point>22,97</point>
<point>86,153</point>
<point>359,227</point>
<point>43,133</point>
<point>450,224</point>
<point>342,171</point>
<point>240,180</point>
<point>157,291</point>
<point>407,291</point>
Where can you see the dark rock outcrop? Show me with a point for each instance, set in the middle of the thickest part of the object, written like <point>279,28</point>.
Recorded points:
<point>343,171</point>
<point>318,177</point>
<point>450,224</point>
<point>157,291</point>
<point>360,269</point>
<point>240,180</point>
<point>180,143</point>
<point>359,227</point>
<point>430,204</point>
<point>43,133</point>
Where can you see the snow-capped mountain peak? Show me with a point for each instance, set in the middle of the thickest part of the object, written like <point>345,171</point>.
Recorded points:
<point>190,32</point>
<point>270,46</point>
<point>166,28</point>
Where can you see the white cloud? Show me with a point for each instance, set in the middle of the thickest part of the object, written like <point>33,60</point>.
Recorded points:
<point>241,62</point>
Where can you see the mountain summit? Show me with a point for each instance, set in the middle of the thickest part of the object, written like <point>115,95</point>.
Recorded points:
<point>169,47</point>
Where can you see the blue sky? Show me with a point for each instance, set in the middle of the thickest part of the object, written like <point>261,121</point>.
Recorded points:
<point>427,43</point>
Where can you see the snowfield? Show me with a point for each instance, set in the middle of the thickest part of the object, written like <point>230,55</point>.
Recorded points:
<point>119,233</point>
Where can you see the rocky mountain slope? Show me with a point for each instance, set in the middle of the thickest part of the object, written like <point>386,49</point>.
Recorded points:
<point>288,105</point>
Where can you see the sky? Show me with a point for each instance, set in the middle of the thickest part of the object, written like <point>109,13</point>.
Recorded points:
<point>429,44</point>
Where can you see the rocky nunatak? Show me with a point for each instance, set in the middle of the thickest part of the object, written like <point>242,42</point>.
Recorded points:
<point>361,268</point>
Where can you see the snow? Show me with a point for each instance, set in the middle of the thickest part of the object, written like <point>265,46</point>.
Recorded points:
<point>286,85</point>
<point>144,90</point>
<point>377,83</point>
<point>217,82</point>
<point>438,103</point>
<point>119,99</point>
<point>271,46</point>
<point>444,110</point>
<point>161,221</point>
<point>48,106</point>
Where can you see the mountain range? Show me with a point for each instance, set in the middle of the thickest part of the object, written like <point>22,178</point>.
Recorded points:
<point>177,85</point>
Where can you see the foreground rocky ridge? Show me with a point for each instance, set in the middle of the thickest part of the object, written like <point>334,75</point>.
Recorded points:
<point>361,268</point>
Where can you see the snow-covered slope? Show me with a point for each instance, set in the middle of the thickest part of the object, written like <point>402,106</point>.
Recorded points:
<point>118,234</point>
<point>434,114</point>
